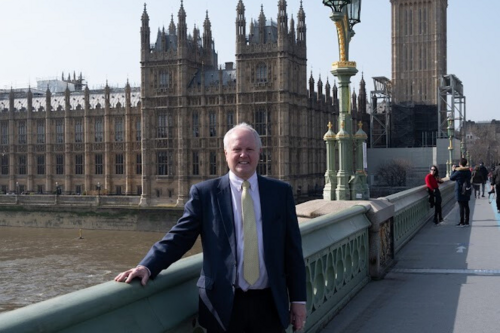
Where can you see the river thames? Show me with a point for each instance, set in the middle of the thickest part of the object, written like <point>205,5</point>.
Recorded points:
<point>41,263</point>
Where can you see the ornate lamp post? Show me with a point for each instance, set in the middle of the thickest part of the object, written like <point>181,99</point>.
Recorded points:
<point>17,193</point>
<point>98,193</point>
<point>345,14</point>
<point>451,131</point>
<point>330,179</point>
<point>58,192</point>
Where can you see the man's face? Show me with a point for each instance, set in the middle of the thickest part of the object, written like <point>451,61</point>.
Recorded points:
<point>242,154</point>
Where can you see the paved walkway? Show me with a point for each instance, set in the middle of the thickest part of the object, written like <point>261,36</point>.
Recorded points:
<point>446,280</point>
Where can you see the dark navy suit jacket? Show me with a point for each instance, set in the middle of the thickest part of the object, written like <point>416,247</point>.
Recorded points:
<point>209,213</point>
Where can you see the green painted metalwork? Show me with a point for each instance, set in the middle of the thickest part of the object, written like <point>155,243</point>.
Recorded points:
<point>412,211</point>
<point>336,252</point>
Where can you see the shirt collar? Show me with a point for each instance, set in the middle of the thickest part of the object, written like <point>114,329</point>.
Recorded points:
<point>237,181</point>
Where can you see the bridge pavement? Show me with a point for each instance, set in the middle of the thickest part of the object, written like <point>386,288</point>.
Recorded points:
<point>446,280</point>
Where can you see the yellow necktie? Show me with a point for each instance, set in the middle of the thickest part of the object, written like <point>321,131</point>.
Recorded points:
<point>250,244</point>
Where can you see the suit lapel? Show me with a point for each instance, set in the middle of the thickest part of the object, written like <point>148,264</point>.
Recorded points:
<point>266,207</point>
<point>224,201</point>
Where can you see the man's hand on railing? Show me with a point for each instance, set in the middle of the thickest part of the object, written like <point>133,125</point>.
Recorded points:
<point>141,272</point>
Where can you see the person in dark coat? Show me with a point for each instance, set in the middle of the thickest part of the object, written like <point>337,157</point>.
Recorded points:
<point>477,181</point>
<point>260,288</point>
<point>484,172</point>
<point>432,181</point>
<point>461,175</point>
<point>495,181</point>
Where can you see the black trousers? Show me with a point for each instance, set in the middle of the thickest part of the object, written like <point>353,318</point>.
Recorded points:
<point>464,212</point>
<point>253,312</point>
<point>438,212</point>
<point>497,190</point>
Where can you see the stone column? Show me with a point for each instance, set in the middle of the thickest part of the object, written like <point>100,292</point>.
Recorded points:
<point>330,177</point>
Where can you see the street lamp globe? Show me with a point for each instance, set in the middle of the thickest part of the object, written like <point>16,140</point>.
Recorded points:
<point>336,5</point>
<point>354,12</point>
<point>450,127</point>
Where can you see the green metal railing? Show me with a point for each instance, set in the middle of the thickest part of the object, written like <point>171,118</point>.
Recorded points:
<point>336,252</point>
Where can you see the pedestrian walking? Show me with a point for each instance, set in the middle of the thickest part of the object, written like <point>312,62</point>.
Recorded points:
<point>495,178</point>
<point>432,180</point>
<point>477,180</point>
<point>462,175</point>
<point>484,172</point>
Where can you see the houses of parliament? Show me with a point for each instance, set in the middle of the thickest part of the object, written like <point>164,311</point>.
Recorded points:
<point>157,140</point>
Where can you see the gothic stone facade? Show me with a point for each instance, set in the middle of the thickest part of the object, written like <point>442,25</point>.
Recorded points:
<point>418,50</point>
<point>159,141</point>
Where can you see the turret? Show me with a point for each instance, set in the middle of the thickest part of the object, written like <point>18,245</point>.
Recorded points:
<point>301,26</point>
<point>262,26</point>
<point>311,86</point>
<point>145,35</point>
<point>362,98</point>
<point>182,26</point>
<point>282,20</point>
<point>207,41</point>
<point>240,26</point>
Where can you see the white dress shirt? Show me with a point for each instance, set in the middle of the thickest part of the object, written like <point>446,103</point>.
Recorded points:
<point>236,183</point>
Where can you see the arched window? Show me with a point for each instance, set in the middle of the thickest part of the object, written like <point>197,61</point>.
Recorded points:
<point>261,75</point>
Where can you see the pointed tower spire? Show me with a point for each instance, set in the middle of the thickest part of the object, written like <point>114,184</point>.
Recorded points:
<point>171,27</point>
<point>208,42</point>
<point>145,35</point>
<point>320,88</point>
<point>262,25</point>
<point>301,26</point>
<point>282,19</point>
<point>311,85</point>
<point>240,26</point>
<point>362,98</point>
<point>181,25</point>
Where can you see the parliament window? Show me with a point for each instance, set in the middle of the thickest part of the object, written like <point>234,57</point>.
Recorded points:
<point>5,133</point>
<point>119,164</point>
<point>138,164</point>
<point>99,130</point>
<point>40,131</point>
<point>164,163</point>
<point>263,122</point>
<point>22,164</point>
<point>79,164</point>
<point>78,130</point>
<point>119,134</point>
<point>229,120</point>
<point>59,164</point>
<point>165,125</point>
<point>264,166</point>
<point>40,164</point>
<point>212,124</point>
<point>99,170</point>
<point>213,163</point>
<point>59,131</point>
<point>196,163</point>
<point>5,164</point>
<point>196,124</point>
<point>138,131</point>
<point>261,75</point>
<point>21,132</point>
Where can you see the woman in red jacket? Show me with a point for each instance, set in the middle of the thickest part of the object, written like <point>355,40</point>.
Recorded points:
<point>432,181</point>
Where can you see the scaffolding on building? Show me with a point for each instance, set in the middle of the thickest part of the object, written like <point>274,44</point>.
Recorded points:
<point>451,106</point>
<point>380,115</point>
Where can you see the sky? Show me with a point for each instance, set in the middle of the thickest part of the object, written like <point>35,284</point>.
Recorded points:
<point>41,39</point>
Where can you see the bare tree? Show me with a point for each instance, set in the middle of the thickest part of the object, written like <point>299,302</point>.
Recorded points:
<point>483,144</point>
<point>393,172</point>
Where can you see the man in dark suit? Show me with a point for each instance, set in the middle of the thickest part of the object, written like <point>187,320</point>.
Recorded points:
<point>240,291</point>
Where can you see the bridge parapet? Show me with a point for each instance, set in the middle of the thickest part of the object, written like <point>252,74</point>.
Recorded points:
<point>344,248</point>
